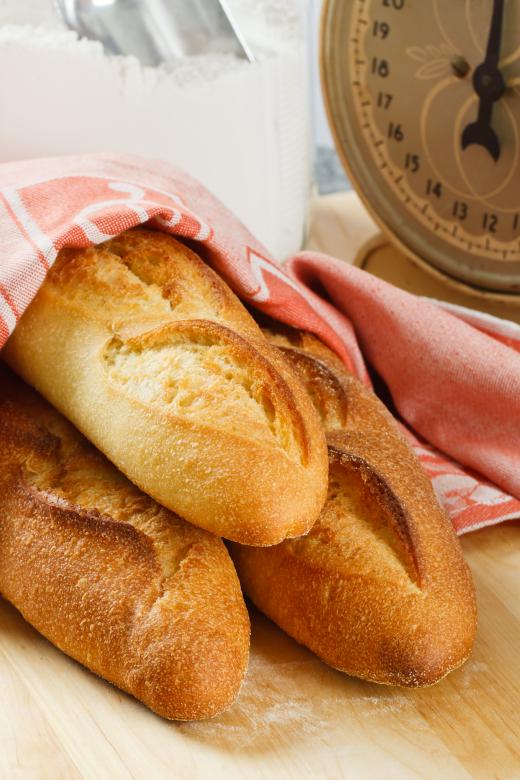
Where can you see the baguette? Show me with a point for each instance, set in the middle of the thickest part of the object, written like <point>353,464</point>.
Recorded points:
<point>379,588</point>
<point>117,582</point>
<point>149,353</point>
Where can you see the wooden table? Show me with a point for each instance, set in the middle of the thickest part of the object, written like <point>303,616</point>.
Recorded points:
<point>295,717</point>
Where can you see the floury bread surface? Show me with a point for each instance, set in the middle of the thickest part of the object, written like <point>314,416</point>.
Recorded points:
<point>140,597</point>
<point>149,353</point>
<point>379,587</point>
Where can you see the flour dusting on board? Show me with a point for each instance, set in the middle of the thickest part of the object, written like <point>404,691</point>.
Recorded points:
<point>288,691</point>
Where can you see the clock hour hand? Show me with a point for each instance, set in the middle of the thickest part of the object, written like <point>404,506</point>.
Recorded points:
<point>489,85</point>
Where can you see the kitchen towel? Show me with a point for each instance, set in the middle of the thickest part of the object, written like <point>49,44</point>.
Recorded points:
<point>453,374</point>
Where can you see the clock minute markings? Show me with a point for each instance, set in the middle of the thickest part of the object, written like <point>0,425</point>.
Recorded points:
<point>381,30</point>
<point>367,86</point>
<point>380,67</point>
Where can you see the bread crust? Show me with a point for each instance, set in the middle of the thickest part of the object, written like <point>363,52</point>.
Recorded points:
<point>155,360</point>
<point>379,587</point>
<point>122,585</point>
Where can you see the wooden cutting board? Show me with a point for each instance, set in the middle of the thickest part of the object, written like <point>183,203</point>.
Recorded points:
<point>295,717</point>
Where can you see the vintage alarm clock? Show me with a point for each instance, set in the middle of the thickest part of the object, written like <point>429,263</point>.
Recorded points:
<point>423,98</point>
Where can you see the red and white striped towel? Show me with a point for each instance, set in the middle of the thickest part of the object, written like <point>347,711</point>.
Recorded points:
<point>454,374</point>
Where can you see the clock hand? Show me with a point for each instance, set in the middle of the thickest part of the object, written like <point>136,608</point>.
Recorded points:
<point>489,85</point>
<point>495,35</point>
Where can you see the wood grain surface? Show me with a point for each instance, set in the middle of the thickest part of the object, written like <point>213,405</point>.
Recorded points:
<point>295,718</point>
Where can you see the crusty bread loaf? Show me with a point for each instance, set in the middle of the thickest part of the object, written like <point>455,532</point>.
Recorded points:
<point>122,585</point>
<point>379,587</point>
<point>149,353</point>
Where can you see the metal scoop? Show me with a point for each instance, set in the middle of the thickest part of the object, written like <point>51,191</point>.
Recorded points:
<point>156,31</point>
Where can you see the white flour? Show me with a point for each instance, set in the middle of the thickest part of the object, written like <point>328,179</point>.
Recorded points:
<point>242,129</point>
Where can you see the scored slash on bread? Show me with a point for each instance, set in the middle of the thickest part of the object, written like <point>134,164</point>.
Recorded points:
<point>137,595</point>
<point>149,353</point>
<point>379,587</point>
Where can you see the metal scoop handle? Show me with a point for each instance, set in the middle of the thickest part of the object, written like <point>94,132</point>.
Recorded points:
<point>156,31</point>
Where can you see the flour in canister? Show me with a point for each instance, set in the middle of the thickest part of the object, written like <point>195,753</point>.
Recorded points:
<point>242,129</point>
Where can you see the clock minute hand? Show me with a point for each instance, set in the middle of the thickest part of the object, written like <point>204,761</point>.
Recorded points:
<point>495,36</point>
<point>489,85</point>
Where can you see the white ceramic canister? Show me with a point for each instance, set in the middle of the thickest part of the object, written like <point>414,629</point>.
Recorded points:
<point>242,129</point>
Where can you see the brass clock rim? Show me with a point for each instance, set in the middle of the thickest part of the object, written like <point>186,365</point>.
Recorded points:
<point>490,281</point>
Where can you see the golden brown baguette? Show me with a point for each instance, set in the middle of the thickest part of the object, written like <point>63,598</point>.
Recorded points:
<point>122,585</point>
<point>379,588</point>
<point>156,361</point>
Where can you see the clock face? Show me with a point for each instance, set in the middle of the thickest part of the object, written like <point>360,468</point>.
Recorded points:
<point>424,99</point>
